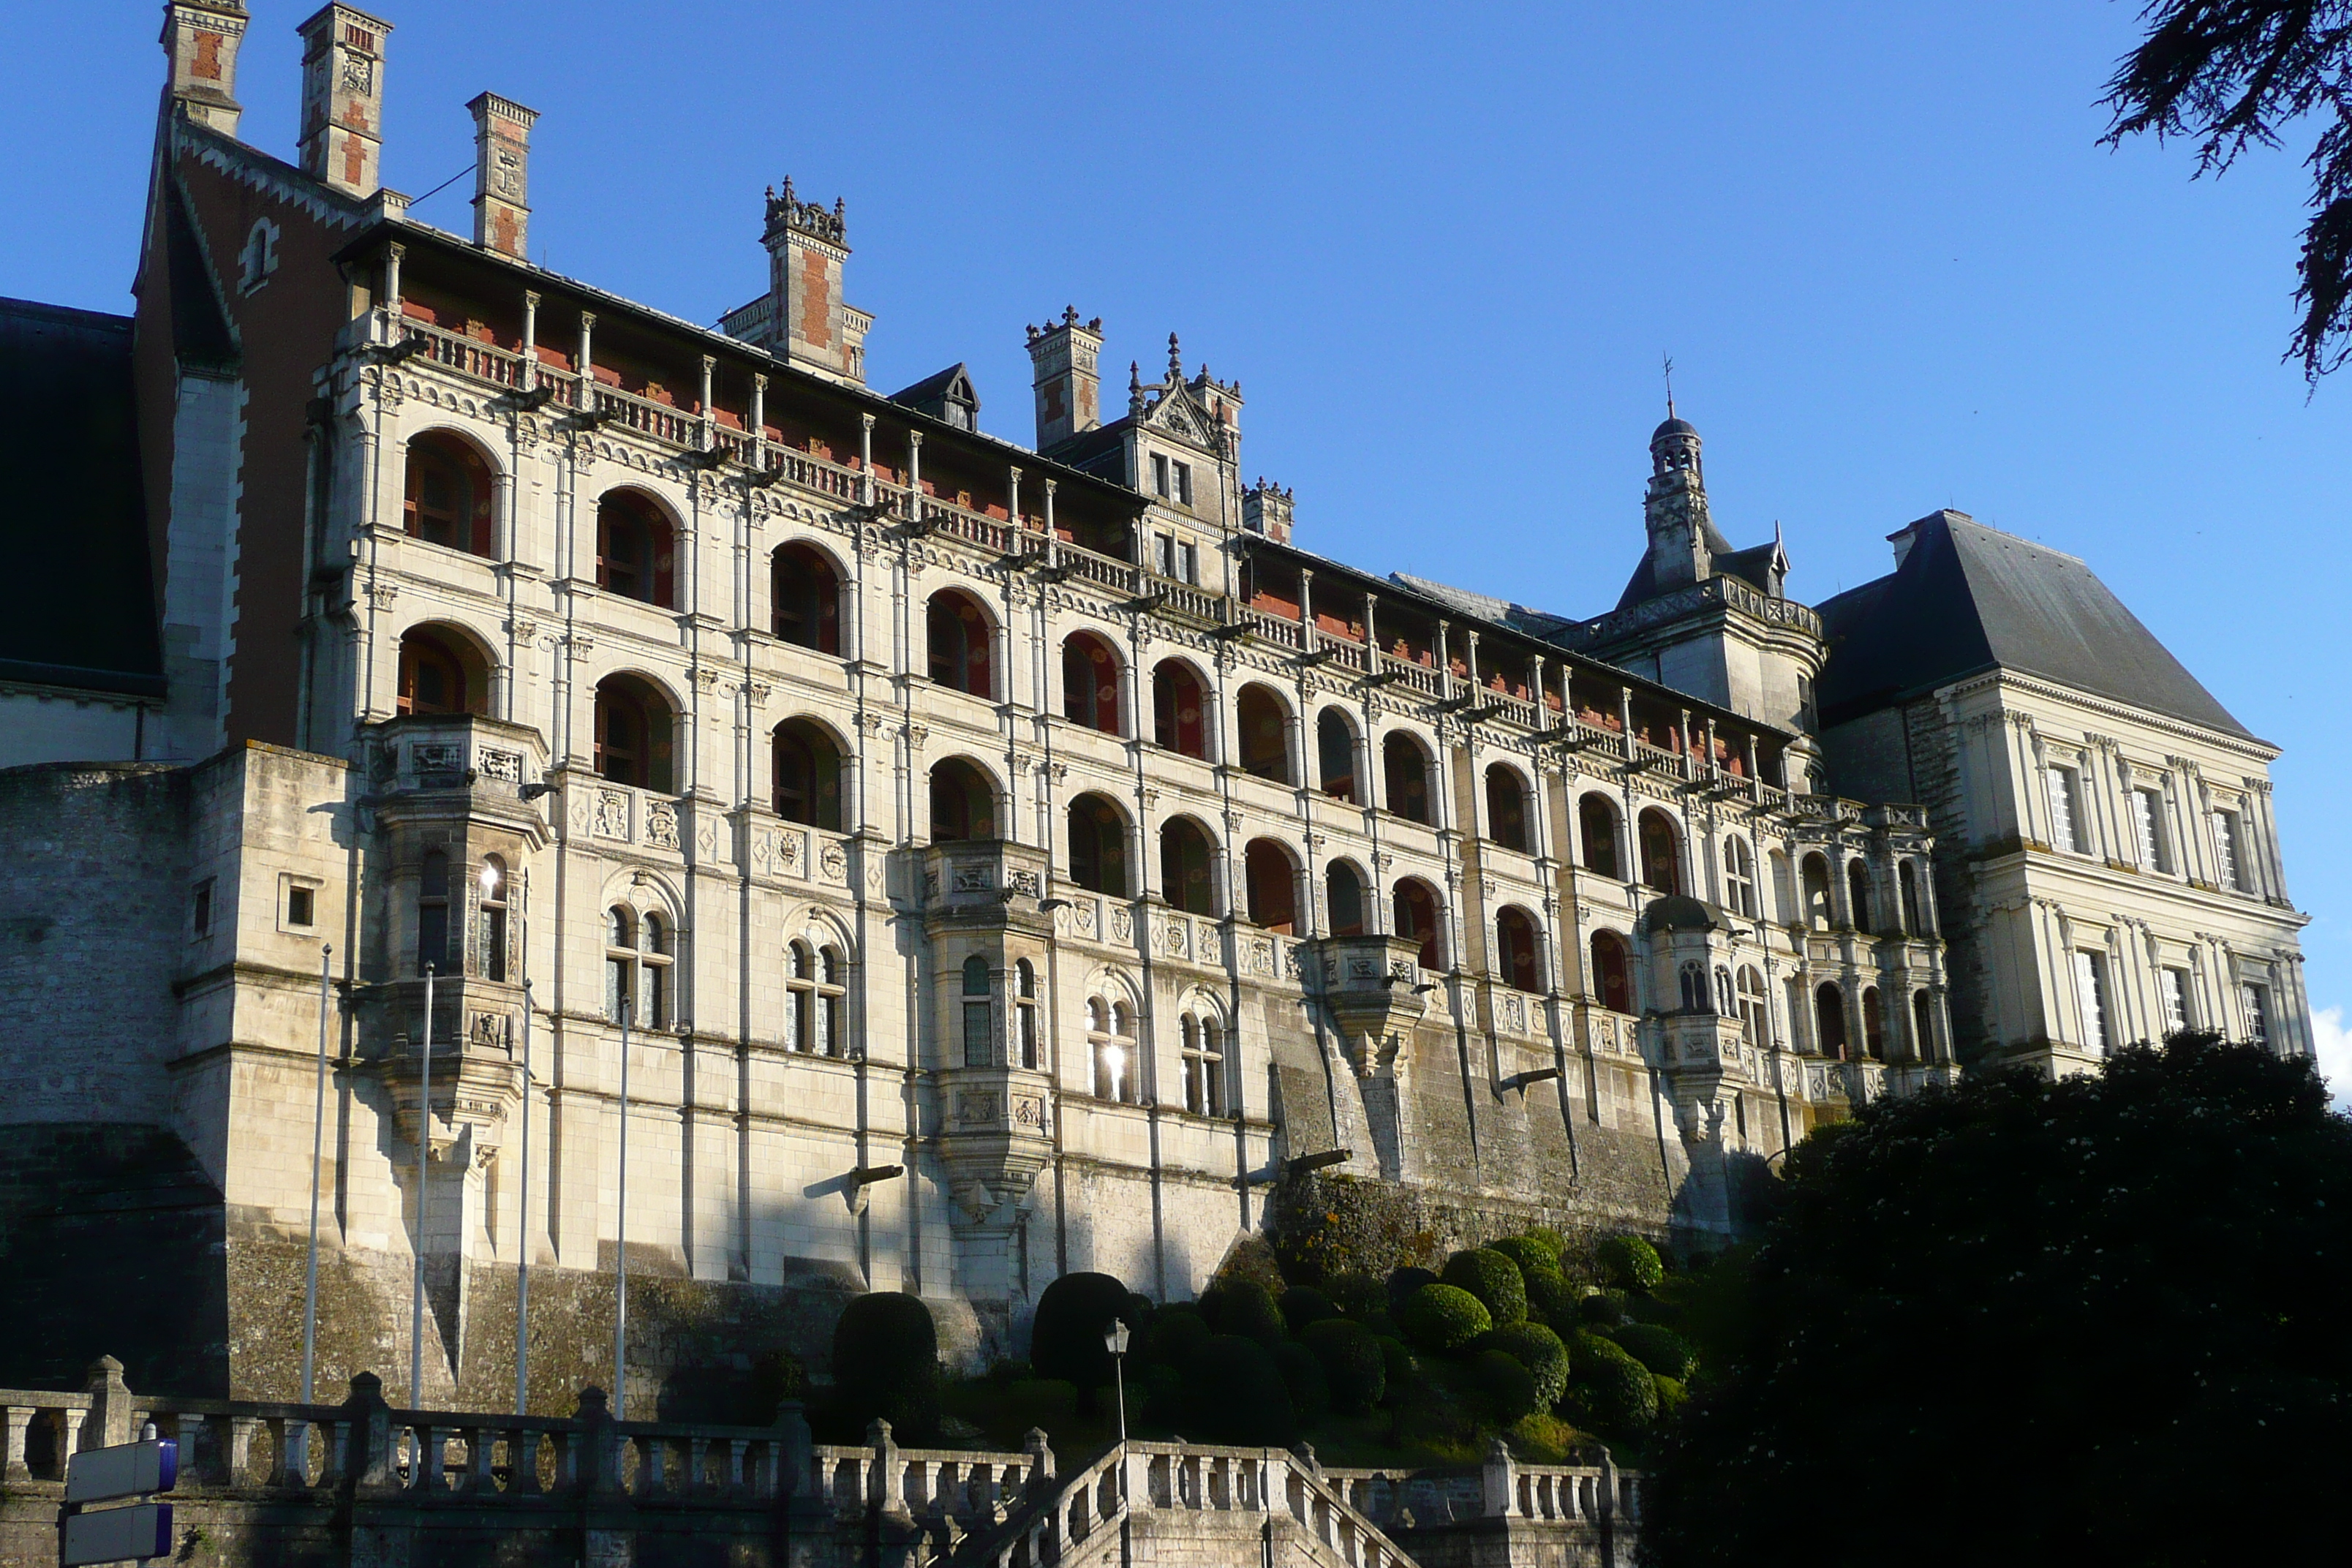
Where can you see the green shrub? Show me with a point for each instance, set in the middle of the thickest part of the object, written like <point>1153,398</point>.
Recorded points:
<point>1630,1263</point>
<point>1542,1352</point>
<point>1237,1396</point>
<point>1354,1368</point>
<point>1304,1304</point>
<point>1177,1334</point>
<point>1357,1295</point>
<point>1672,1397</point>
<point>886,1362</point>
<point>1506,1388</point>
<point>1660,1349</point>
<point>1551,1297</point>
<point>1404,1282</point>
<point>1302,1375</point>
<point>1441,1318</point>
<point>1157,1392</point>
<point>1244,1306</point>
<point>1396,1357</point>
<point>1556,1243</point>
<point>1527,1252</point>
<point>1607,1387</point>
<point>1384,1325</point>
<point>1602,1309</point>
<point>1492,1278</point>
<point>776,1377</point>
<point>1067,1338</point>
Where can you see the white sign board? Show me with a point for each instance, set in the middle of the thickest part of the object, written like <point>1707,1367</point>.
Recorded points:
<point>117,1535</point>
<point>131,1469</point>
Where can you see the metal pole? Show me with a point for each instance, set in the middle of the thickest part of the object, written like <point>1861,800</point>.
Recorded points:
<point>621,1219</point>
<point>317,1146</point>
<point>522,1217</point>
<point>424,1151</point>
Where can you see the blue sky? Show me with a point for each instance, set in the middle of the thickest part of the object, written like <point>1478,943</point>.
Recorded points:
<point>1443,248</point>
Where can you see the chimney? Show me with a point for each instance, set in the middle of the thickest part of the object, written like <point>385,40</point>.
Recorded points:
<point>1069,392</point>
<point>809,323</point>
<point>1266,509</point>
<point>200,38</point>
<point>343,98</point>
<point>501,172</point>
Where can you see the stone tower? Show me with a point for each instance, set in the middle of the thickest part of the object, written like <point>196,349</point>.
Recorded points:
<point>1069,388</point>
<point>343,98</point>
<point>1674,509</point>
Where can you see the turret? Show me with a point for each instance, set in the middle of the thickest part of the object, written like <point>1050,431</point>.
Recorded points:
<point>1675,509</point>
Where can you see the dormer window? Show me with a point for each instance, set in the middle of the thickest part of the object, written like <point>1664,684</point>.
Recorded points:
<point>258,260</point>
<point>1177,558</point>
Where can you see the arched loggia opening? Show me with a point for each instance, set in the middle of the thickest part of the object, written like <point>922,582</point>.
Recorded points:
<point>1416,912</point>
<point>1186,857</point>
<point>1611,977</point>
<point>1335,755</point>
<point>441,671</point>
<point>636,549</point>
<point>959,635</point>
<point>1404,772</point>
<point>1596,824</point>
<point>1179,708</point>
<point>804,592</point>
<point>1098,846</point>
<point>449,493</point>
<point>1661,858</point>
<point>1506,806</point>
<point>1343,893</point>
<point>807,774</point>
<point>635,731</point>
<point>1263,721</point>
<point>1829,1020</point>
<point>963,802</point>
<point>1273,881</point>
<point>1517,955</point>
<point>1090,683</point>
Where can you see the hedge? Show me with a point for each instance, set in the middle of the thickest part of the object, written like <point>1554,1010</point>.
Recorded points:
<point>1542,1352</point>
<point>1444,1318</point>
<point>1660,1349</point>
<point>1238,1395</point>
<point>1551,1297</point>
<point>1244,1306</point>
<point>1505,1387</point>
<point>1630,1263</point>
<point>1603,1309</point>
<point>1304,1304</point>
<point>1493,1279</point>
<point>1357,1295</point>
<point>1404,1282</point>
<point>1067,1338</point>
<point>886,1362</point>
<point>1176,1335</point>
<point>1527,1252</point>
<point>1302,1375</point>
<point>1608,1387</point>
<point>1355,1369</point>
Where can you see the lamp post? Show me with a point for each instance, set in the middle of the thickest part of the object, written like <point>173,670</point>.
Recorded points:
<point>1114,1340</point>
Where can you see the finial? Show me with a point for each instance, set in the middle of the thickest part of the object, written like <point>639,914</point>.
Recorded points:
<point>1070,315</point>
<point>1669,359</point>
<point>1175,360</point>
<point>1134,376</point>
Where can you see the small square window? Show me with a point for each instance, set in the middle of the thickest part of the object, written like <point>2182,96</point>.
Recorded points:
<point>298,906</point>
<point>201,923</point>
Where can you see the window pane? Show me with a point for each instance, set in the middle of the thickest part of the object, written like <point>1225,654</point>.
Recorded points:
<point>2175,985</point>
<point>976,1052</point>
<point>2090,997</point>
<point>2062,809</point>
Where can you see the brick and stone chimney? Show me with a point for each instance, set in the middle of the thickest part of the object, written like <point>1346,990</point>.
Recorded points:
<point>501,172</point>
<point>1266,509</point>
<point>200,38</point>
<point>1069,391</point>
<point>810,323</point>
<point>343,98</point>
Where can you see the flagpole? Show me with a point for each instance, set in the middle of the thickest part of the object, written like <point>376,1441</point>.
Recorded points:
<point>621,1222</point>
<point>317,1146</point>
<point>522,1215</point>
<point>424,1148</point>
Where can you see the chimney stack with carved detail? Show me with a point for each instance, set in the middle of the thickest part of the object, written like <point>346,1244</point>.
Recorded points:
<point>1062,355</point>
<point>343,98</point>
<point>501,172</point>
<point>201,37</point>
<point>810,323</point>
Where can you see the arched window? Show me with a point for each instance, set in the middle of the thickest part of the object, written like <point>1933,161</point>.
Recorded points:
<point>1404,771</point>
<point>1857,894</point>
<point>449,494</point>
<point>1273,885</point>
<point>432,914</point>
<point>1739,876</point>
<point>963,802</point>
<point>1784,896</point>
<point>959,638</point>
<point>1515,943</point>
<point>1110,1043</point>
<point>1724,1003</point>
<point>490,945</point>
<point>832,1002</point>
<point>1923,1026</point>
<point>1506,806</point>
<point>635,549</point>
<point>1596,823</point>
<point>1204,1066</point>
<point>637,968</point>
<point>808,775</point>
<point>1874,1025</point>
<point>1098,846</point>
<point>1178,709</point>
<point>979,1027</point>
<point>440,673</point>
<point>1816,874</point>
<point>1090,683</point>
<point>1028,1050</point>
<point>1692,979</point>
<point>1907,887</point>
<point>1416,920</point>
<point>805,592</point>
<point>1755,1027</point>
<point>800,999</point>
<point>1261,718</point>
<point>1343,891</point>
<point>1184,866</point>
<point>1335,755</point>
<point>634,726</point>
<point>1829,1020</point>
<point>1662,861</point>
<point>1610,983</point>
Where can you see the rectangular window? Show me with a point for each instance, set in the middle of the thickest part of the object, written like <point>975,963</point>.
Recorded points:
<point>2225,850</point>
<point>976,1041</point>
<point>203,914</point>
<point>2147,810</point>
<point>2063,834</point>
<point>2091,997</point>
<point>1164,553</point>
<point>298,906</point>
<point>1158,474</point>
<point>2258,1013</point>
<point>1188,557</point>
<point>1184,484</point>
<point>2174,983</point>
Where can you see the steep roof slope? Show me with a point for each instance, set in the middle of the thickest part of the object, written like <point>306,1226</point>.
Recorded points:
<point>1968,598</point>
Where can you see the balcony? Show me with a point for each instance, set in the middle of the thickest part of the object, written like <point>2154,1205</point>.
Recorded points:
<point>426,752</point>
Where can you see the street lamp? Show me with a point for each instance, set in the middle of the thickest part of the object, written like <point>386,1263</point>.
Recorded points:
<point>1115,1339</point>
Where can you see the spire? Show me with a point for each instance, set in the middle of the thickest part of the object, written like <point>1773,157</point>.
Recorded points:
<point>1175,361</point>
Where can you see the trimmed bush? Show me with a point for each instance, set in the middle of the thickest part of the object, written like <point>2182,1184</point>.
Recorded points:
<point>1067,1338</point>
<point>1672,1397</point>
<point>1442,1317</point>
<point>1527,1252</point>
<point>1542,1352</point>
<point>776,1377</point>
<point>1660,1349</point>
<point>1551,1297</point>
<point>1607,1387</point>
<point>1630,1263</point>
<point>1302,1375</point>
<point>1237,1396</point>
<point>1492,1278</point>
<point>1304,1304</point>
<point>1404,1282</point>
<point>1244,1306</point>
<point>1544,1236</point>
<point>1176,1335</point>
<point>1506,1388</point>
<point>1357,1295</point>
<point>1396,1357</point>
<point>886,1362</point>
<point>1602,1309</point>
<point>1354,1367</point>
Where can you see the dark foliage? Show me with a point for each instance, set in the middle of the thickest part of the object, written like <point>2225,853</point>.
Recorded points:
<point>1660,1349</point>
<point>1304,1304</point>
<point>2230,74</point>
<point>1177,1334</point>
<point>1247,1307</point>
<point>1404,1282</point>
<point>1444,1318</point>
<point>1551,1299</point>
<point>1630,1263</point>
<point>886,1363</point>
<point>1602,1309</point>
<point>1493,1279</point>
<point>1238,1395</point>
<point>2127,1292</point>
<point>1538,1350</point>
<point>1528,1252</point>
<point>1357,1295</point>
<point>1302,1375</point>
<point>1608,1390</point>
<point>1504,1388</point>
<point>1067,1338</point>
<point>1355,1368</point>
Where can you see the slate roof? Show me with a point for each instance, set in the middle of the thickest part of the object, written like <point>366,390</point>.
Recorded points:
<point>1752,566</point>
<point>1968,598</point>
<point>76,608</point>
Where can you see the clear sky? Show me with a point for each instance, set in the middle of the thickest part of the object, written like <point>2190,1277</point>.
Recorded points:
<point>1443,248</point>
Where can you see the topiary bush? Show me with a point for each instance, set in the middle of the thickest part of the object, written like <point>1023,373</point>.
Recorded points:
<point>1504,1388</point>
<point>1551,1299</point>
<point>1404,1282</point>
<point>1608,1389</point>
<point>1630,1263</point>
<point>1527,1252</point>
<point>1355,1370</point>
<point>1672,1397</point>
<point>1302,1375</point>
<point>886,1362</point>
<point>1442,1319</point>
<point>1304,1304</point>
<point>1357,1295</point>
<point>1556,1243</point>
<point>1177,1334</point>
<point>1602,1309</point>
<point>1238,1395</point>
<point>1542,1352</point>
<point>1067,1338</point>
<point>1662,1350</point>
<point>1244,1306</point>
<point>1403,1372</point>
<point>1492,1278</point>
